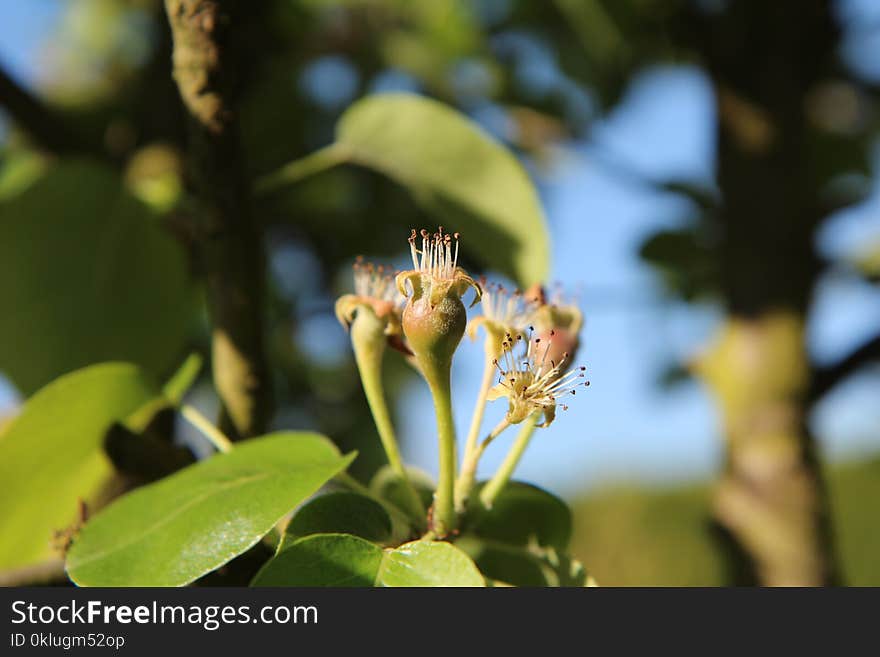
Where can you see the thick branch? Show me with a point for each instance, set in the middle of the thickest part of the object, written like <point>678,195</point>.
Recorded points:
<point>825,378</point>
<point>230,244</point>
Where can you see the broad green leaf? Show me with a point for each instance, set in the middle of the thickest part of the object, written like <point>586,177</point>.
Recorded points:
<point>452,168</point>
<point>323,560</point>
<point>521,515</point>
<point>387,485</point>
<point>344,513</point>
<point>87,274</point>
<point>428,563</point>
<point>456,170</point>
<point>513,565</point>
<point>523,565</point>
<point>51,456</point>
<point>175,530</point>
<point>345,560</point>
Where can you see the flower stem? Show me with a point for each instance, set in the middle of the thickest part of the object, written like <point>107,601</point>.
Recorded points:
<point>444,517</point>
<point>468,475</point>
<point>505,470</point>
<point>368,340</point>
<point>480,406</point>
<point>203,424</point>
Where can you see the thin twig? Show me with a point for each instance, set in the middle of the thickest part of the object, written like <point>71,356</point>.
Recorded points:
<point>209,431</point>
<point>825,378</point>
<point>42,124</point>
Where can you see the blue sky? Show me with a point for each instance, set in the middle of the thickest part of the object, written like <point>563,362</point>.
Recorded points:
<point>624,427</point>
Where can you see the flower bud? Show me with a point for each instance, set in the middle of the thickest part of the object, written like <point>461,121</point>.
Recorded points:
<point>434,318</point>
<point>434,331</point>
<point>374,290</point>
<point>558,325</point>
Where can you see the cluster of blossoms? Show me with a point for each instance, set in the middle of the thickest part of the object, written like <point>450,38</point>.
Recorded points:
<point>529,345</point>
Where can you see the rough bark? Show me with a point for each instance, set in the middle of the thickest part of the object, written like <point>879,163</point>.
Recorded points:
<point>230,245</point>
<point>770,499</point>
<point>770,495</point>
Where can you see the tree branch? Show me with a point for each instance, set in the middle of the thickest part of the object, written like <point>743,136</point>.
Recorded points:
<point>825,378</point>
<point>230,244</point>
<point>43,125</point>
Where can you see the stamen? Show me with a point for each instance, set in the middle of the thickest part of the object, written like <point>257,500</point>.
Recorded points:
<point>505,308</point>
<point>437,257</point>
<point>375,282</point>
<point>529,382</point>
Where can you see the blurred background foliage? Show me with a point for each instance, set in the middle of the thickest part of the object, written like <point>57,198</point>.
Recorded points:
<point>94,132</point>
<point>661,536</point>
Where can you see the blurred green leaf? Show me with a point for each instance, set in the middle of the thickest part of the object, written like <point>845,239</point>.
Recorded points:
<point>182,527</point>
<point>595,27</point>
<point>345,513</point>
<point>522,515</point>
<point>51,456</point>
<point>18,169</point>
<point>87,274</point>
<point>428,563</point>
<point>456,170</point>
<point>834,154</point>
<point>452,168</point>
<point>687,266</point>
<point>323,560</point>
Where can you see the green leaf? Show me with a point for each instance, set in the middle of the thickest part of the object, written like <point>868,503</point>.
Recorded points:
<point>323,560</point>
<point>513,565</point>
<point>428,563</point>
<point>685,260</point>
<point>456,171</point>
<point>526,565</point>
<point>175,530</point>
<point>388,485</point>
<point>521,515</point>
<point>87,274</point>
<point>571,572</point>
<point>18,169</point>
<point>345,560</point>
<point>345,513</point>
<point>51,456</point>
